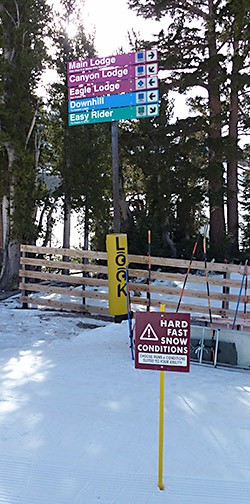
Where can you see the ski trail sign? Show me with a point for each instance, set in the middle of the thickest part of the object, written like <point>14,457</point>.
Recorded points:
<point>117,80</point>
<point>162,341</point>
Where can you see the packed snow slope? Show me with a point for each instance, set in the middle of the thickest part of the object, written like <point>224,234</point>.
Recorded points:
<point>79,425</point>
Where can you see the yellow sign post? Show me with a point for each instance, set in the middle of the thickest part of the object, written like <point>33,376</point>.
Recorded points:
<point>117,250</point>
<point>161,424</point>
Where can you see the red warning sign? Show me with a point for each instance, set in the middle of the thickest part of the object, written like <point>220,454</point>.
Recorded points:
<point>162,341</point>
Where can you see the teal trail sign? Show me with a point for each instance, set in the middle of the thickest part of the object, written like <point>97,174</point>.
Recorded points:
<point>108,115</point>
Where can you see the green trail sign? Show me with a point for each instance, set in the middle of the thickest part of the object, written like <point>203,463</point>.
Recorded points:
<point>107,115</point>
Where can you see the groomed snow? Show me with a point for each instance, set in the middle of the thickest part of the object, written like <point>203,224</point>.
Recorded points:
<point>79,425</point>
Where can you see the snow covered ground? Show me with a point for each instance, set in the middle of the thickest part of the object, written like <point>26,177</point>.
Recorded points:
<point>79,425</point>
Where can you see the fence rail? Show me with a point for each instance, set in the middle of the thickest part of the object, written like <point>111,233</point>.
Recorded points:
<point>43,272</point>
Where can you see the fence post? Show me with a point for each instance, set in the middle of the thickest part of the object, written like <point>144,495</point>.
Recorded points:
<point>24,280</point>
<point>66,259</point>
<point>225,290</point>
<point>83,275</point>
<point>149,272</point>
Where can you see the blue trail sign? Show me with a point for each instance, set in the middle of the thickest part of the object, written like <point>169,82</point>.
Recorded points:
<point>114,101</point>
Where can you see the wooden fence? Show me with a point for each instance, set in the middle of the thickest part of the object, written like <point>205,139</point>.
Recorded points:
<point>44,272</point>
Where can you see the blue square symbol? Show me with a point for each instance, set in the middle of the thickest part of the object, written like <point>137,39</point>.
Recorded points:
<point>140,55</point>
<point>140,70</point>
<point>141,96</point>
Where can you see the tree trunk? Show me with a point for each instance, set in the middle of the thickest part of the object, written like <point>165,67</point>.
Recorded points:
<point>165,236</point>
<point>11,247</point>
<point>11,253</point>
<point>232,164</point>
<point>9,275</point>
<point>215,174</point>
<point>3,226</point>
<point>48,229</point>
<point>86,228</point>
<point>67,219</point>
<point>66,228</point>
<point>126,214</point>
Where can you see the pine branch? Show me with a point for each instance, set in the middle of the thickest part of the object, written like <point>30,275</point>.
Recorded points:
<point>192,8</point>
<point>148,10</point>
<point>17,14</point>
<point>221,46</point>
<point>217,4</point>
<point>17,22</point>
<point>177,83</point>
<point>246,116</point>
<point>188,47</point>
<point>8,13</point>
<point>24,33</point>
<point>38,143</point>
<point>245,67</point>
<point>33,122</point>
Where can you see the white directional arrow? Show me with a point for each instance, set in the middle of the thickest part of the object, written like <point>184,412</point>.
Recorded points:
<point>152,82</point>
<point>152,110</point>
<point>153,96</point>
<point>151,55</point>
<point>152,69</point>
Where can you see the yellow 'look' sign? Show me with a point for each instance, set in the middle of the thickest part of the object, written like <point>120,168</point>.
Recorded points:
<point>117,250</point>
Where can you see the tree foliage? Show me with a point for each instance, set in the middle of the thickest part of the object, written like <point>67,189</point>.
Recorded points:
<point>206,48</point>
<point>81,152</point>
<point>163,178</point>
<point>23,30</point>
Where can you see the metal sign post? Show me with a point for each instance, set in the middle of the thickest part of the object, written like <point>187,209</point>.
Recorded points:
<point>115,170</point>
<point>161,432</point>
<point>161,425</point>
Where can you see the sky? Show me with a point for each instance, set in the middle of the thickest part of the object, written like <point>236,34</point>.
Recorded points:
<point>112,20</point>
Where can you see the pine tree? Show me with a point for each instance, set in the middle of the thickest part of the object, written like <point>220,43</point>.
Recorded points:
<point>81,151</point>
<point>234,23</point>
<point>162,170</point>
<point>23,31</point>
<point>246,202</point>
<point>205,38</point>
